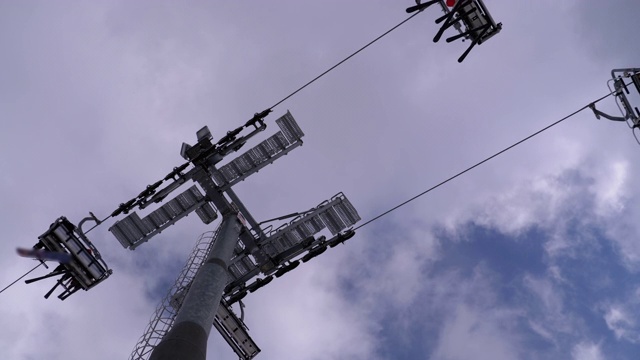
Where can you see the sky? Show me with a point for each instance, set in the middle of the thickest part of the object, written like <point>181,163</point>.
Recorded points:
<point>533,255</point>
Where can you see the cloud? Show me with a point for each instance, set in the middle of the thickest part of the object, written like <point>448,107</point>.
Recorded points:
<point>621,324</point>
<point>611,189</point>
<point>620,315</point>
<point>587,351</point>
<point>568,205</point>
<point>476,324</point>
<point>391,254</point>
<point>309,318</point>
<point>553,316</point>
<point>609,34</point>
<point>98,97</point>
<point>472,334</point>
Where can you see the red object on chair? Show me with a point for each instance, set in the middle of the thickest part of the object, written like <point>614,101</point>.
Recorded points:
<point>451,3</point>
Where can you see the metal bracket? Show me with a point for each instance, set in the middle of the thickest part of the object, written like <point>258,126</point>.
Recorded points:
<point>599,114</point>
<point>421,6</point>
<point>80,232</point>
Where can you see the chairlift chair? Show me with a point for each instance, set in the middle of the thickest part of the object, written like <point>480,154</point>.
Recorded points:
<point>86,268</point>
<point>470,18</point>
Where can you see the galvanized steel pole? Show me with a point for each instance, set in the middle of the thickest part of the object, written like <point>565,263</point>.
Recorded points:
<point>187,339</point>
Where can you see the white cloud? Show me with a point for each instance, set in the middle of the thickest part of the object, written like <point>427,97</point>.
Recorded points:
<point>537,202</point>
<point>553,315</point>
<point>567,205</point>
<point>476,334</point>
<point>309,318</point>
<point>98,97</point>
<point>469,319</point>
<point>398,255</point>
<point>622,323</point>
<point>610,189</point>
<point>587,351</point>
<point>549,312</point>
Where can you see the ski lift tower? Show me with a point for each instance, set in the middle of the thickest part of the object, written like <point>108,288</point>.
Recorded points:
<point>226,264</point>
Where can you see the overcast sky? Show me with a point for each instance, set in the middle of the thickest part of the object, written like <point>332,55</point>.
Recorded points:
<point>534,255</point>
